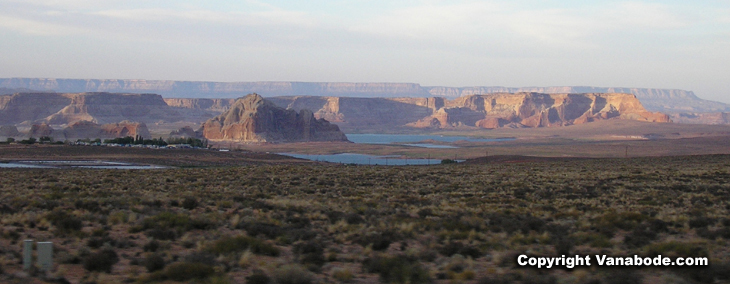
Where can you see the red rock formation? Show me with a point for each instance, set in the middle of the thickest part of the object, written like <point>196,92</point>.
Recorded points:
<point>9,131</point>
<point>41,130</point>
<point>91,130</point>
<point>126,128</point>
<point>538,110</point>
<point>59,109</point>
<point>185,132</point>
<point>253,119</point>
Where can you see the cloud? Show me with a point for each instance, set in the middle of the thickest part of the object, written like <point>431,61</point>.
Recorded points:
<point>38,28</point>
<point>276,17</point>
<point>494,21</point>
<point>464,25</point>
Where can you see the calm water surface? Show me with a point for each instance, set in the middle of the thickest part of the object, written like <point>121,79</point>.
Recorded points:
<point>362,159</point>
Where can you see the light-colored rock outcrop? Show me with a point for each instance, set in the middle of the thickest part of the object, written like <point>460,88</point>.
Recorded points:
<point>661,100</point>
<point>253,119</point>
<point>484,111</point>
<point>537,110</point>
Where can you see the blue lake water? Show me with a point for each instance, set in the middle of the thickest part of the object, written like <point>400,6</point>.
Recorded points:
<point>434,146</point>
<point>410,139</point>
<point>16,165</point>
<point>406,139</point>
<point>362,159</point>
<point>79,164</point>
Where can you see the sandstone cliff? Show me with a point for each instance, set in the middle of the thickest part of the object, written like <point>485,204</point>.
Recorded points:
<point>536,110</point>
<point>41,130</point>
<point>88,129</point>
<point>64,109</point>
<point>484,111</point>
<point>253,119</point>
<point>661,100</point>
<point>8,131</point>
<point>371,114</point>
<point>702,118</point>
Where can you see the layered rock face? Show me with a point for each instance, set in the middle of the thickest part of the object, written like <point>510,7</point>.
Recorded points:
<point>702,118</point>
<point>91,130</point>
<point>379,114</point>
<point>41,130</point>
<point>7,131</point>
<point>253,119</point>
<point>662,100</point>
<point>483,111</point>
<point>351,114</point>
<point>537,110</point>
<point>65,109</point>
<point>88,129</point>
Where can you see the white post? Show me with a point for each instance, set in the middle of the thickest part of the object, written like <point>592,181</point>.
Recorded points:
<point>45,256</point>
<point>27,254</point>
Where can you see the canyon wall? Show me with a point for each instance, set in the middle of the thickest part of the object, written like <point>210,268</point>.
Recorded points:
<point>351,114</point>
<point>482,111</point>
<point>662,100</point>
<point>62,108</point>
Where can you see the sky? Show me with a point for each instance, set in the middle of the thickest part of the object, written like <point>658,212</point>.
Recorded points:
<point>519,43</point>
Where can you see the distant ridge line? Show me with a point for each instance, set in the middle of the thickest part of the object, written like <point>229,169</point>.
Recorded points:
<point>663,100</point>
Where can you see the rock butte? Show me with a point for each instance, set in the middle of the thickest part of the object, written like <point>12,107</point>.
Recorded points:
<point>254,119</point>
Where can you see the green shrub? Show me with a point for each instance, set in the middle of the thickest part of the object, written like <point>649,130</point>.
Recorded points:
<point>343,275</point>
<point>608,223</point>
<point>293,274</point>
<point>258,277</point>
<point>190,203</point>
<point>675,248</point>
<point>310,254</point>
<point>640,236</point>
<point>168,225</point>
<point>231,245</point>
<point>452,248</point>
<point>151,246</point>
<point>622,276</point>
<point>154,262</point>
<point>379,240</point>
<point>64,222</point>
<point>102,261</point>
<point>184,271</point>
<point>397,269</point>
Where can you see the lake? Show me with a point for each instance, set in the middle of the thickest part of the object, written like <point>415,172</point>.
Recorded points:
<point>403,139</point>
<point>410,139</point>
<point>79,164</point>
<point>362,159</point>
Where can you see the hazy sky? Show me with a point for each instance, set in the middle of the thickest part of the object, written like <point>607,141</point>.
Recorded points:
<point>654,44</point>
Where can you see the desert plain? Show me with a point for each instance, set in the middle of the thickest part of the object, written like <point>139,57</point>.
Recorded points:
<point>247,215</point>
